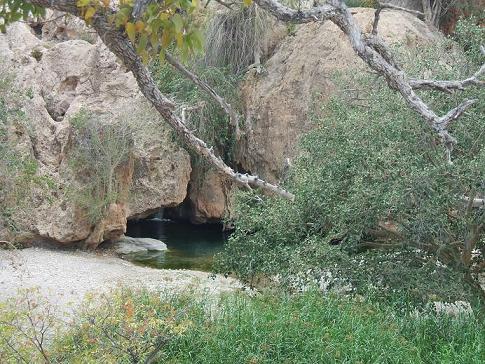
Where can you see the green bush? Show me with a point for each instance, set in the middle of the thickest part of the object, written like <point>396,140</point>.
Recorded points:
<point>470,35</point>
<point>373,175</point>
<point>203,115</point>
<point>26,322</point>
<point>126,327</point>
<point>98,149</point>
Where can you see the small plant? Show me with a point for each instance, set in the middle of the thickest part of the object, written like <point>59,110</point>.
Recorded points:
<point>26,322</point>
<point>37,54</point>
<point>126,326</point>
<point>235,37</point>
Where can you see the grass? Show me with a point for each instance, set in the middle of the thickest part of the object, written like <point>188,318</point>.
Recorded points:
<point>127,325</point>
<point>312,329</point>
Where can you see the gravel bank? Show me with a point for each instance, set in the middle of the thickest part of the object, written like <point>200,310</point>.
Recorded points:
<point>65,277</point>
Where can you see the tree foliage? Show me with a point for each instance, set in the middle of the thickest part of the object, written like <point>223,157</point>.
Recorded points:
<point>370,175</point>
<point>14,10</point>
<point>156,28</point>
<point>159,25</point>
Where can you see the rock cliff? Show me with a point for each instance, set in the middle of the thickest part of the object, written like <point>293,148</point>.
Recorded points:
<point>278,101</point>
<point>64,67</point>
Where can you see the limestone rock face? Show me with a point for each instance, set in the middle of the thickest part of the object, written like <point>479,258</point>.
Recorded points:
<point>278,102</point>
<point>209,195</point>
<point>64,68</point>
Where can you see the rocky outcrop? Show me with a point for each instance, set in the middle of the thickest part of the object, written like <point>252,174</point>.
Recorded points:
<point>278,102</point>
<point>64,68</point>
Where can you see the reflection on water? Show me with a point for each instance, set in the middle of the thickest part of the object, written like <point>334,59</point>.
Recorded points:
<point>189,246</point>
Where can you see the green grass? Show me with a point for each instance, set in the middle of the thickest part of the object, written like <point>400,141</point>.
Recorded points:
<point>312,329</point>
<point>268,328</point>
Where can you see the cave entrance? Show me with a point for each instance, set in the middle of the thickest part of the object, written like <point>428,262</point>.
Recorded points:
<point>190,246</point>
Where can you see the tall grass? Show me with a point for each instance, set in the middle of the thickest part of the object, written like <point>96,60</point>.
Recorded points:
<point>233,37</point>
<point>127,326</point>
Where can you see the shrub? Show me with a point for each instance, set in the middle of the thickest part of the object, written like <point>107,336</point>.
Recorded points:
<point>98,149</point>
<point>126,326</point>
<point>234,37</point>
<point>202,113</point>
<point>26,323</point>
<point>372,175</point>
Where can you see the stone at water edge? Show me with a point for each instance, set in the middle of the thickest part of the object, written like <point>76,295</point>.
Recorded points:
<point>128,245</point>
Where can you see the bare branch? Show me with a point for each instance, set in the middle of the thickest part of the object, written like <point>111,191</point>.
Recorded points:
<point>455,113</point>
<point>380,47</point>
<point>382,6</point>
<point>419,14</point>
<point>233,117</point>
<point>449,86</point>
<point>475,202</point>
<point>287,14</point>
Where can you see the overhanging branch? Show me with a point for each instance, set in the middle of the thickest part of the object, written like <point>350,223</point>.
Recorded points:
<point>373,51</point>
<point>381,6</point>
<point>120,45</point>
<point>233,117</point>
<point>449,86</point>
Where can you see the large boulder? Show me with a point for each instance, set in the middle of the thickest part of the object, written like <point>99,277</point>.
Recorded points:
<point>62,74</point>
<point>129,245</point>
<point>278,102</point>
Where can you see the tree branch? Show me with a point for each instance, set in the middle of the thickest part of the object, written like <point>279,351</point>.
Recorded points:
<point>449,86</point>
<point>455,113</point>
<point>233,117</point>
<point>287,14</point>
<point>378,57</point>
<point>475,202</point>
<point>120,45</point>
<point>382,6</point>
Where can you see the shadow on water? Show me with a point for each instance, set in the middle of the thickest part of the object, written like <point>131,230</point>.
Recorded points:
<point>189,246</point>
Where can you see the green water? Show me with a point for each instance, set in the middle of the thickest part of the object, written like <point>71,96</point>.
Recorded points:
<point>189,246</point>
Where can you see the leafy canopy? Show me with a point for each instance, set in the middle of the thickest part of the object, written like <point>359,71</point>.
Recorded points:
<point>160,25</point>
<point>15,10</point>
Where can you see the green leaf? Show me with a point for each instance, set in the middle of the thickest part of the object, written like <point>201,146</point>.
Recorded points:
<point>83,3</point>
<point>130,31</point>
<point>178,23</point>
<point>88,15</point>
<point>142,43</point>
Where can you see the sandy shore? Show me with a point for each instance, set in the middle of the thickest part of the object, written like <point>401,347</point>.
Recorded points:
<point>65,277</point>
